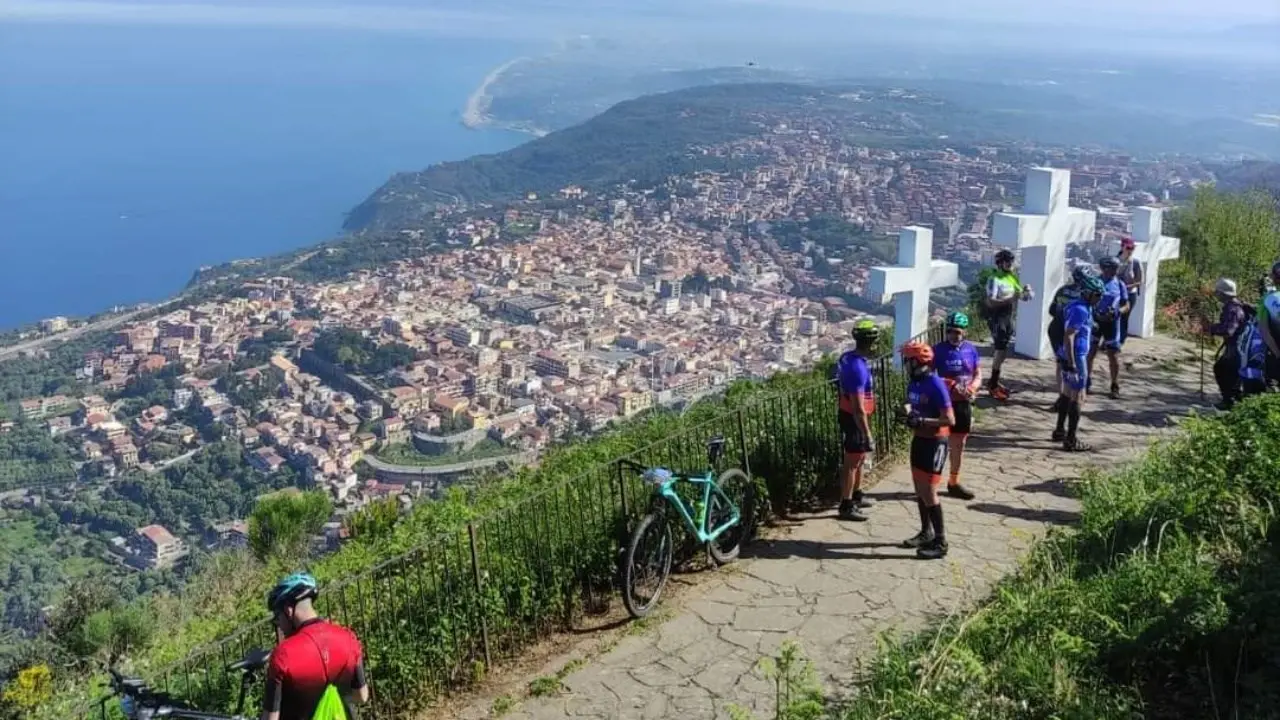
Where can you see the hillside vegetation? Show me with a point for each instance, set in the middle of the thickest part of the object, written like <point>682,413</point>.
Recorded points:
<point>1160,605</point>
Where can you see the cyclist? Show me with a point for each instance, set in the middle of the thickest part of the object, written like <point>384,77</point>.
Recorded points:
<point>1226,369</point>
<point>929,414</point>
<point>1065,295</point>
<point>312,654</point>
<point>1269,323</point>
<point>1252,350</point>
<point>1109,312</point>
<point>857,403</point>
<point>1131,275</point>
<point>1073,358</point>
<point>1004,290</point>
<point>955,360</point>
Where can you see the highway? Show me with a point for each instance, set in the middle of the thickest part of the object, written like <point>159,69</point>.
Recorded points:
<point>12,351</point>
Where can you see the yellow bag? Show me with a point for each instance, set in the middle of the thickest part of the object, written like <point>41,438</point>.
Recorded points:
<point>330,706</point>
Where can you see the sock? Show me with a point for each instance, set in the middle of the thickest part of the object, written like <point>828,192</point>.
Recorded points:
<point>935,516</point>
<point>954,479</point>
<point>1060,405</point>
<point>1063,408</point>
<point>857,496</point>
<point>1073,419</point>
<point>924,516</point>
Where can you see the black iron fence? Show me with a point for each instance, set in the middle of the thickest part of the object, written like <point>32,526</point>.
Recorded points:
<point>441,616</point>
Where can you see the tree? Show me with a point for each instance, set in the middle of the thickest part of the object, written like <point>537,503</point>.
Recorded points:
<point>282,523</point>
<point>1234,235</point>
<point>117,630</point>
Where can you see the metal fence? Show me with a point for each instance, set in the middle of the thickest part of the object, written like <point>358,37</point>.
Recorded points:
<point>441,616</point>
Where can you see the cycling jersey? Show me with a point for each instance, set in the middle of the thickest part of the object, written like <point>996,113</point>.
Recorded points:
<point>1003,285</point>
<point>1077,318</point>
<point>957,365</point>
<point>854,378</point>
<point>306,663</point>
<point>1065,295</point>
<point>1114,295</point>
<point>928,396</point>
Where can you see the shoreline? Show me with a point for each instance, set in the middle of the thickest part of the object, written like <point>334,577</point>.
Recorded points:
<point>476,113</point>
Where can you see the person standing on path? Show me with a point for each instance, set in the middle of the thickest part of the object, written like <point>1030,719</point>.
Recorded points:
<point>1110,310</point>
<point>1131,275</point>
<point>1226,368</point>
<point>1268,317</point>
<point>929,414</point>
<point>1065,296</point>
<point>1004,290</point>
<point>1073,357</point>
<point>956,361</point>
<point>857,403</point>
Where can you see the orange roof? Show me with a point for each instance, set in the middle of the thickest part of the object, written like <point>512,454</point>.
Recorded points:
<point>158,535</point>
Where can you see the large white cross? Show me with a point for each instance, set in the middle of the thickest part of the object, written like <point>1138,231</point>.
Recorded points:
<point>1044,228</point>
<point>910,281</point>
<point>1150,247</point>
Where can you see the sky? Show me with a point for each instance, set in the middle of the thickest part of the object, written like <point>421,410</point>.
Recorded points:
<point>499,16</point>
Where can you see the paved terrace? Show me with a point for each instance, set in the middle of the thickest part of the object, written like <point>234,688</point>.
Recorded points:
<point>832,585</point>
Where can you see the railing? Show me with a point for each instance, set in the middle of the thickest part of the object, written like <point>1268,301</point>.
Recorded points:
<point>441,616</point>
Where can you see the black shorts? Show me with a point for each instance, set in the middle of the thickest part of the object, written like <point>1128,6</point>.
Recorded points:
<point>852,439</point>
<point>1001,327</point>
<point>929,454</point>
<point>1108,336</point>
<point>964,417</point>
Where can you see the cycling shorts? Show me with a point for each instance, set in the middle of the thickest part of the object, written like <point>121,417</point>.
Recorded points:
<point>1109,335</point>
<point>1077,379</point>
<point>964,417</point>
<point>852,439</point>
<point>1001,327</point>
<point>929,455</point>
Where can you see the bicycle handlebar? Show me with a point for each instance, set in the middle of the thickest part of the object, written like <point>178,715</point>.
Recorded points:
<point>140,702</point>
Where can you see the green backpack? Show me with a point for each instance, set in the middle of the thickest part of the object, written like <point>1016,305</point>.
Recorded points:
<point>330,706</point>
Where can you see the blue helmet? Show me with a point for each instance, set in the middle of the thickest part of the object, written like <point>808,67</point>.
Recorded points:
<point>291,590</point>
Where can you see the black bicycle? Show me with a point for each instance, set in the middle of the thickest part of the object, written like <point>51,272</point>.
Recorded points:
<point>138,701</point>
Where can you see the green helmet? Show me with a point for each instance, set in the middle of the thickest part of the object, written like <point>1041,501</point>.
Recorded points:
<point>957,320</point>
<point>866,330</point>
<point>1093,285</point>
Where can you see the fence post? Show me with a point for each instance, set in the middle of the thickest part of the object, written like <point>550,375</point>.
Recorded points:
<point>622,493</point>
<point>475,571</point>
<point>742,442</point>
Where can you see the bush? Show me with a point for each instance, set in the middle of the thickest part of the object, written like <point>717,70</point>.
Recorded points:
<point>1160,605</point>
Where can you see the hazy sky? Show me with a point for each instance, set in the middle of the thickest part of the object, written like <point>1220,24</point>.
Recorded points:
<point>450,14</point>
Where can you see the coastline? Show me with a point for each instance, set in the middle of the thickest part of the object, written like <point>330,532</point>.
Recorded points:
<point>475,115</point>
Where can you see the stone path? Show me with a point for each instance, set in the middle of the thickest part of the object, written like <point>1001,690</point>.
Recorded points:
<point>832,586</point>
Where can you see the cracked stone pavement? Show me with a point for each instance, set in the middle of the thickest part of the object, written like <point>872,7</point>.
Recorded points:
<point>832,586</point>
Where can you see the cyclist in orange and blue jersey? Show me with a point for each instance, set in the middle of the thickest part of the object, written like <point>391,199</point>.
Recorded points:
<point>956,361</point>
<point>929,414</point>
<point>857,403</point>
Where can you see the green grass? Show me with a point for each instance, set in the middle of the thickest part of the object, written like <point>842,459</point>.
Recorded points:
<point>1160,605</point>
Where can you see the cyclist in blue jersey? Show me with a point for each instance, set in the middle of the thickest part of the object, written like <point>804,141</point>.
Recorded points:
<point>1065,295</point>
<point>857,403</point>
<point>1268,316</point>
<point>929,414</point>
<point>1110,312</point>
<point>955,360</point>
<point>1073,358</point>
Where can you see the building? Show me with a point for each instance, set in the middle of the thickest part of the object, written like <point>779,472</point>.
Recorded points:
<point>630,402</point>
<point>53,324</point>
<point>155,548</point>
<point>530,309</point>
<point>548,362</point>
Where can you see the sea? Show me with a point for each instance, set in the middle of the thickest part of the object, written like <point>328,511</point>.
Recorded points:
<point>130,155</point>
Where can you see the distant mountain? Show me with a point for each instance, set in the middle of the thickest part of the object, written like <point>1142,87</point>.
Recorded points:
<point>1253,175</point>
<point>643,141</point>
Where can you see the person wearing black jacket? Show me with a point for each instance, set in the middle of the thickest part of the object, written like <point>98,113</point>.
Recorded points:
<point>1226,369</point>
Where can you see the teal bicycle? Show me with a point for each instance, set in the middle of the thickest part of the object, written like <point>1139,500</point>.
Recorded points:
<point>720,518</point>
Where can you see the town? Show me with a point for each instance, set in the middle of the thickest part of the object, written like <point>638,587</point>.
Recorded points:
<point>553,317</point>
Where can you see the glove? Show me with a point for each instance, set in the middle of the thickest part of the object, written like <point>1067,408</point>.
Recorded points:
<point>914,420</point>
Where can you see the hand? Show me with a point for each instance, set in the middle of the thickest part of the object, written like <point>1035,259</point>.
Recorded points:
<point>914,420</point>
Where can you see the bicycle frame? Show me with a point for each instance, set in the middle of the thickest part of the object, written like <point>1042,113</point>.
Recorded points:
<point>667,491</point>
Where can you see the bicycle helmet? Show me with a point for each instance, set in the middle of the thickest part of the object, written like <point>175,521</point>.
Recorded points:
<point>1004,256</point>
<point>1082,273</point>
<point>1092,286</point>
<point>1109,263</point>
<point>291,590</point>
<point>957,320</point>
<point>918,355</point>
<point>866,331</point>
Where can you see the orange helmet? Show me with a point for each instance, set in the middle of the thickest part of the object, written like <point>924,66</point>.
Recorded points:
<point>919,352</point>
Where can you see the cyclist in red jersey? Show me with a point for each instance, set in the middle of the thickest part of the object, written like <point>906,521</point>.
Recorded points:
<point>312,654</point>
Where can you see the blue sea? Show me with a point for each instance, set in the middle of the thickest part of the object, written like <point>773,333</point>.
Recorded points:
<point>132,155</point>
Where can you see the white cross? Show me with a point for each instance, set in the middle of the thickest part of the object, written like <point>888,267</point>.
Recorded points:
<point>910,281</point>
<point>1150,247</point>
<point>1044,228</point>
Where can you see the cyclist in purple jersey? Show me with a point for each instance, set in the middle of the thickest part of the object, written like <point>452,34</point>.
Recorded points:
<point>929,414</point>
<point>856,404</point>
<point>956,362</point>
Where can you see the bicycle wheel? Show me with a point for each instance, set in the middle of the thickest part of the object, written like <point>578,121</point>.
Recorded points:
<point>648,565</point>
<point>741,492</point>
